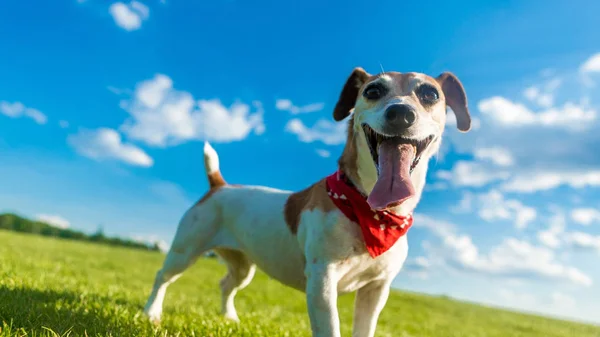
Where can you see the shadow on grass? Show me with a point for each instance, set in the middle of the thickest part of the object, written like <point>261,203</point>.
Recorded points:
<point>35,312</point>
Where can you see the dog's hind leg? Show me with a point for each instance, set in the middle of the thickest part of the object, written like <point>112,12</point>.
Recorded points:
<point>193,238</point>
<point>175,264</point>
<point>240,271</point>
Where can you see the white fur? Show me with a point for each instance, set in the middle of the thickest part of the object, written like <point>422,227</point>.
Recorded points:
<point>326,257</point>
<point>211,159</point>
<point>246,226</point>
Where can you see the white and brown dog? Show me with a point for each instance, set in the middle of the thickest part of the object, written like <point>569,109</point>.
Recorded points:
<point>344,233</point>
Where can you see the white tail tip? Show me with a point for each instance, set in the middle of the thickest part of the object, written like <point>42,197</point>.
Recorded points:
<point>211,159</point>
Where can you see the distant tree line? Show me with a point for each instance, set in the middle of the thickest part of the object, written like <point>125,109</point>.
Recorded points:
<point>19,224</point>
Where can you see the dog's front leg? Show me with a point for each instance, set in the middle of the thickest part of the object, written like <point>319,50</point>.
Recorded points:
<point>321,298</point>
<point>368,304</point>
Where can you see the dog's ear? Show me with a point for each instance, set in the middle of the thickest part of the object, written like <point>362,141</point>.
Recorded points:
<point>456,99</point>
<point>349,93</point>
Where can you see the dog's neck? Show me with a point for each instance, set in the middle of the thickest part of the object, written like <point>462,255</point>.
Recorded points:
<point>356,162</point>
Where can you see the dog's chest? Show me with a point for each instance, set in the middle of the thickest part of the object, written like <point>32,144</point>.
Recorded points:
<point>361,269</point>
<point>340,241</point>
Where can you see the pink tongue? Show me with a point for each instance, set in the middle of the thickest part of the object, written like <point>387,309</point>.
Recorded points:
<point>393,185</point>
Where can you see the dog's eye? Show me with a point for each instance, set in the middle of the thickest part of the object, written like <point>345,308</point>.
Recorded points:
<point>374,92</point>
<point>427,93</point>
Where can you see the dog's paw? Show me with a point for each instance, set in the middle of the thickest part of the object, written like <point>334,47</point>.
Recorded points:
<point>153,316</point>
<point>232,317</point>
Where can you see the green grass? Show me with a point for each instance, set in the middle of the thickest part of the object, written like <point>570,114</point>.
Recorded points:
<point>53,287</point>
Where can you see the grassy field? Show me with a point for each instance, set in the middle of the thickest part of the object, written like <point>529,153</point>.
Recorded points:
<point>52,287</point>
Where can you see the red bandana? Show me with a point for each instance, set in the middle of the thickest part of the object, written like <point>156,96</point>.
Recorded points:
<point>380,229</point>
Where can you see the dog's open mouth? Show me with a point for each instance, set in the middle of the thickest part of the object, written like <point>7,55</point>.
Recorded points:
<point>395,158</point>
<point>375,139</point>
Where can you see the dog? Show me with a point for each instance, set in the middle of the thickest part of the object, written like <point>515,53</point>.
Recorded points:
<point>344,233</point>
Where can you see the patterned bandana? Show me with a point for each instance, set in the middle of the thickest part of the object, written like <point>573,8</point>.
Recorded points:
<point>380,229</point>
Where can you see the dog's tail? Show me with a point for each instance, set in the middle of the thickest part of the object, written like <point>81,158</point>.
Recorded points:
<point>211,162</point>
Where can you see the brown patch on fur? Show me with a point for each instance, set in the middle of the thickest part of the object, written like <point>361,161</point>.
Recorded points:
<point>215,180</point>
<point>349,93</point>
<point>348,162</point>
<point>402,82</point>
<point>208,195</point>
<point>215,190</point>
<point>456,99</point>
<point>315,196</point>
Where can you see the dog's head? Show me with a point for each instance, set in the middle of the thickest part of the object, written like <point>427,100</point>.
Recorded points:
<point>396,126</point>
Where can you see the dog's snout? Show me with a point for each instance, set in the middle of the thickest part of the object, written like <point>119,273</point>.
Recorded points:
<point>400,115</point>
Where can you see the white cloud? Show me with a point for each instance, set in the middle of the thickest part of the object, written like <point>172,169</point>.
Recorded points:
<point>540,181</point>
<point>591,65</point>
<point>465,205</point>
<point>129,16</point>
<point>552,236</point>
<point>438,227</point>
<point>18,109</point>
<point>549,146</point>
<point>287,105</point>
<point>140,8</point>
<point>504,111</point>
<point>512,258</point>
<point>556,236</point>
<point>418,267</point>
<point>323,153</point>
<point>465,173</point>
<point>585,216</point>
<point>531,93</point>
<point>497,155</point>
<point>106,143</point>
<point>493,206</point>
<point>63,124</point>
<point>163,116</point>
<point>542,99</point>
<point>512,114</point>
<point>583,241</point>
<point>330,133</point>
<point>549,237</point>
<point>54,220</point>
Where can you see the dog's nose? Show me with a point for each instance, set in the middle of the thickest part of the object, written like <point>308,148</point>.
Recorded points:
<point>400,115</point>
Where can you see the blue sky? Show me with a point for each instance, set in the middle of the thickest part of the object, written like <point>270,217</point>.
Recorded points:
<point>104,107</point>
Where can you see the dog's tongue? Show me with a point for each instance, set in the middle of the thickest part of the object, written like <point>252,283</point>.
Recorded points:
<point>393,185</point>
